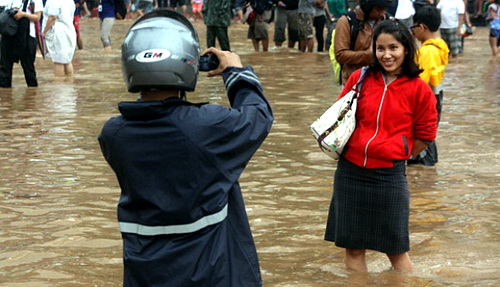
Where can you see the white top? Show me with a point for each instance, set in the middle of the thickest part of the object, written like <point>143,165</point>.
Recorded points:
<point>19,4</point>
<point>61,38</point>
<point>62,9</point>
<point>405,9</point>
<point>450,9</point>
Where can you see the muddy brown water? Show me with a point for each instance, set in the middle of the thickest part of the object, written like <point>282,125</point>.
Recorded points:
<point>58,197</point>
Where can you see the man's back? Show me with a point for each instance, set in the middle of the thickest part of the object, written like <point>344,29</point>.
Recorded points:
<point>181,210</point>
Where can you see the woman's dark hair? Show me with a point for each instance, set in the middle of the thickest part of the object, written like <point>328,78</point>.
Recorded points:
<point>402,34</point>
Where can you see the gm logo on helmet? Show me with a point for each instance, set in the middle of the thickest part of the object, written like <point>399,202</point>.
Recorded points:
<point>153,55</point>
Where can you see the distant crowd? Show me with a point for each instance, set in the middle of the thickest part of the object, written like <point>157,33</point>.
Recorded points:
<point>306,25</point>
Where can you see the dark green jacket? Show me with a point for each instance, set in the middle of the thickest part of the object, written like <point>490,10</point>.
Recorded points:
<point>217,13</point>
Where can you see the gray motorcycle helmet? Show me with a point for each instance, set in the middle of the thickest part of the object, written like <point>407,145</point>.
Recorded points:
<point>161,51</point>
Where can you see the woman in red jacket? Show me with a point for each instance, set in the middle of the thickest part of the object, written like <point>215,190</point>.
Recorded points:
<point>395,119</point>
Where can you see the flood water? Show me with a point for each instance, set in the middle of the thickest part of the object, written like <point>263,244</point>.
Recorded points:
<point>58,197</point>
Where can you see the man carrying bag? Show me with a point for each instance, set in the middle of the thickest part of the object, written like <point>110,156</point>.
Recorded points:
<point>21,46</point>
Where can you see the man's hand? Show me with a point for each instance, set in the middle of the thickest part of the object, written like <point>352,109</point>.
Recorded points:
<point>20,14</point>
<point>226,59</point>
<point>32,17</point>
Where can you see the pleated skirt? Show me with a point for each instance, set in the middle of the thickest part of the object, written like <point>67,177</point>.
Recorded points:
<point>370,208</point>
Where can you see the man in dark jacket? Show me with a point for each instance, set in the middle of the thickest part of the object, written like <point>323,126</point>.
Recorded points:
<point>181,210</point>
<point>22,46</point>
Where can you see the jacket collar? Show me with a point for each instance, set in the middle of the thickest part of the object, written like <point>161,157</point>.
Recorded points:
<point>148,110</point>
<point>380,77</point>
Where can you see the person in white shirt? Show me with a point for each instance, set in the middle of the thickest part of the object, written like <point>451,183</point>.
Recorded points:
<point>60,35</point>
<point>452,17</point>
<point>22,46</point>
<point>405,12</point>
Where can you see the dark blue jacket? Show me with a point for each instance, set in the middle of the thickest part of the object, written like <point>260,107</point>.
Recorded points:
<point>181,211</point>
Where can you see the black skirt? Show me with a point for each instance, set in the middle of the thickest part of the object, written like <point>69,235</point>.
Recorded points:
<point>370,208</point>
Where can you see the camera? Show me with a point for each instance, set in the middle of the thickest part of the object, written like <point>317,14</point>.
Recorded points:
<point>208,62</point>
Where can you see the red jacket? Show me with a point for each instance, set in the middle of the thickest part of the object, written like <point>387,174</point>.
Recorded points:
<point>389,118</point>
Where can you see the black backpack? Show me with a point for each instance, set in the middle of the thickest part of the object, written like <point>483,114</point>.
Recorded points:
<point>355,27</point>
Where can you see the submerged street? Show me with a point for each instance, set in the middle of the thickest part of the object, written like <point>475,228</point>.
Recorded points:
<point>58,196</point>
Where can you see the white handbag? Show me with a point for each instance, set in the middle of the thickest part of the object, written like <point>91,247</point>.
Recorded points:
<point>335,126</point>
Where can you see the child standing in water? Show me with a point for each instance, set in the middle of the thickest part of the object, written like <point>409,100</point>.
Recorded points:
<point>432,57</point>
<point>494,18</point>
<point>396,117</point>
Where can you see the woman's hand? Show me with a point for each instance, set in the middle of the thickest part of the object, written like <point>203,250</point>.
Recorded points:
<point>418,147</point>
<point>48,25</point>
<point>226,59</point>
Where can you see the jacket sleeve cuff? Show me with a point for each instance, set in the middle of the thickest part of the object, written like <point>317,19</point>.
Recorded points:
<point>427,142</point>
<point>235,78</point>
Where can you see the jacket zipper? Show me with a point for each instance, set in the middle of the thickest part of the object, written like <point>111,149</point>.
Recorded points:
<point>378,123</point>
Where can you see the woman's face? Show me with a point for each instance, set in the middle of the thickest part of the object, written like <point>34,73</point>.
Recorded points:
<point>390,54</point>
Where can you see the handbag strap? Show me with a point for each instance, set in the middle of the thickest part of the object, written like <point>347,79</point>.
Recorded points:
<point>356,88</point>
<point>359,84</point>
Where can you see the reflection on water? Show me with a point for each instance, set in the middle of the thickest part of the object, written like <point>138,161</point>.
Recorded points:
<point>58,197</point>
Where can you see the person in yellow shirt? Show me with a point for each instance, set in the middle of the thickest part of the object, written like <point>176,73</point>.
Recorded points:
<point>432,58</point>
